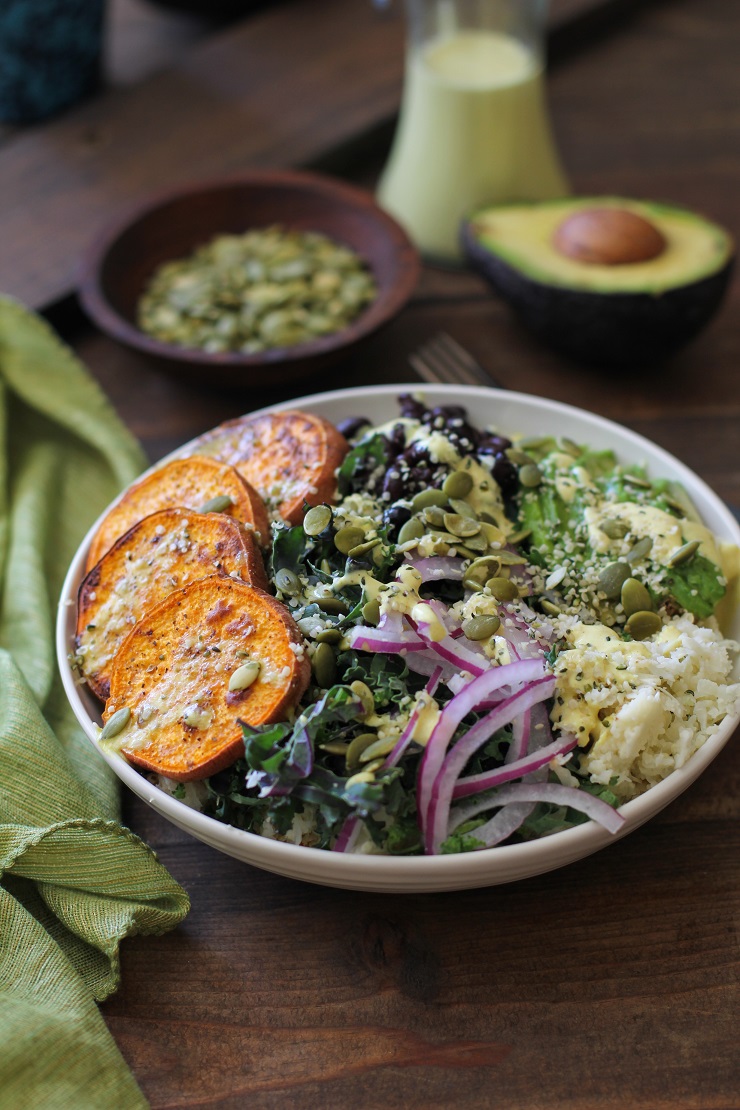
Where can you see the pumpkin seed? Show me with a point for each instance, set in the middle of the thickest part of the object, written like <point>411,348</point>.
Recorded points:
<point>365,694</point>
<point>115,724</point>
<point>348,537</point>
<point>434,516</point>
<point>357,746</point>
<point>510,558</point>
<point>317,520</point>
<point>333,605</point>
<point>371,611</point>
<point>329,636</point>
<point>478,542</point>
<point>643,624</point>
<point>411,530</point>
<point>457,484</point>
<point>462,508</point>
<point>269,287</point>
<point>635,597</point>
<point>642,548</point>
<point>530,476</point>
<point>533,443</point>
<point>615,529</point>
<point>481,627</point>
<point>335,747</point>
<point>569,446</point>
<point>324,666</point>
<point>636,480</point>
<point>216,504</point>
<point>288,582</point>
<point>461,526</point>
<point>363,548</point>
<point>426,498</point>
<point>480,570</point>
<point>517,537</point>
<point>612,579</point>
<point>550,607</point>
<point>683,502</point>
<point>519,457</point>
<point>244,676</point>
<point>684,553</point>
<point>376,751</point>
<point>465,552</point>
<point>503,589</point>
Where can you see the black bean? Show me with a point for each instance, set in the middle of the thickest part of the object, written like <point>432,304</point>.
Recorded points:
<point>411,409</point>
<point>505,474</point>
<point>396,441</point>
<point>416,454</point>
<point>393,517</point>
<point>394,484</point>
<point>490,444</point>
<point>351,426</point>
<point>449,412</point>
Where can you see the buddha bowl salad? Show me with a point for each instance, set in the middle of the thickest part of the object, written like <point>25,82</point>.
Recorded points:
<point>506,639</point>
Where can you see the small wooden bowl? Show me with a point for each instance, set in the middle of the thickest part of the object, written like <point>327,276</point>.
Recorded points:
<point>170,226</point>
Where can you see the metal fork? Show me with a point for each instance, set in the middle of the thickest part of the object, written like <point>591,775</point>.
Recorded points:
<point>443,361</point>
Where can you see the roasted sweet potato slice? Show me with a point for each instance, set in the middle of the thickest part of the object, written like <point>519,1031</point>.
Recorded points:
<point>162,553</point>
<point>289,457</point>
<point>182,672</point>
<point>186,484</point>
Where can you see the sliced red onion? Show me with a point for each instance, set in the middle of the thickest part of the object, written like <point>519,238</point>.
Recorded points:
<point>520,731</point>
<point>450,620</point>
<point>452,652</point>
<point>540,734</point>
<point>459,681</point>
<point>391,622</point>
<point>348,834</point>
<point>438,567</point>
<point>366,638</point>
<point>503,824</point>
<point>436,815</point>
<point>487,780</point>
<point>508,676</point>
<point>552,792</point>
<point>426,662</point>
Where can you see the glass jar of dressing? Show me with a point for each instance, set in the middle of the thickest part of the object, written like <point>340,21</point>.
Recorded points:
<point>474,127</point>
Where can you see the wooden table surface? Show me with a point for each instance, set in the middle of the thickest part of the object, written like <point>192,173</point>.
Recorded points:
<point>612,982</point>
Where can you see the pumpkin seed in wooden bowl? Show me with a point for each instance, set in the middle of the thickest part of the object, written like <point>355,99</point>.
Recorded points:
<point>250,281</point>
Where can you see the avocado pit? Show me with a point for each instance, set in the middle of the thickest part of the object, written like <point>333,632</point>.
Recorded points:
<point>608,237</point>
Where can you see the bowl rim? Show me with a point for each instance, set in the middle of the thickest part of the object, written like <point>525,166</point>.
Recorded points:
<point>381,310</point>
<point>487,867</point>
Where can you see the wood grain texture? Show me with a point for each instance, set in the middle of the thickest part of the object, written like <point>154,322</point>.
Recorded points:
<point>612,983</point>
<point>280,89</point>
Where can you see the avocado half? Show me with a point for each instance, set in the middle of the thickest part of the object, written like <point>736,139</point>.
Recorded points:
<point>606,280</point>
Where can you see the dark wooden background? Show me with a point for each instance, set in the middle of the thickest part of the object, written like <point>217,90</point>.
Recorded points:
<point>610,983</point>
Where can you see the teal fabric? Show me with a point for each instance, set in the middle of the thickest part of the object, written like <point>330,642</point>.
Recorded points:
<point>73,881</point>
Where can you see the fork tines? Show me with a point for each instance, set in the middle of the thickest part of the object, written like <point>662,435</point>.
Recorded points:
<point>442,360</point>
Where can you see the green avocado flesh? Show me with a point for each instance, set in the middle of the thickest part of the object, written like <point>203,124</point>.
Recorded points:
<point>619,315</point>
<point>522,235</point>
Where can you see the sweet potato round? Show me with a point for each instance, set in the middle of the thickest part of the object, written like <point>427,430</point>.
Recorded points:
<point>187,484</point>
<point>161,553</point>
<point>289,457</point>
<point>173,672</point>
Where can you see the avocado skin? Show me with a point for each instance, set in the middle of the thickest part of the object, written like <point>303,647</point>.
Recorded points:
<point>603,329</point>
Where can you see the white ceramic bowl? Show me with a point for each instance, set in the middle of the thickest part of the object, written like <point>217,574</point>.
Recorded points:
<point>510,413</point>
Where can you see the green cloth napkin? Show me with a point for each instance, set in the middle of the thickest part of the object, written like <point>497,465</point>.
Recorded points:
<point>73,882</point>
